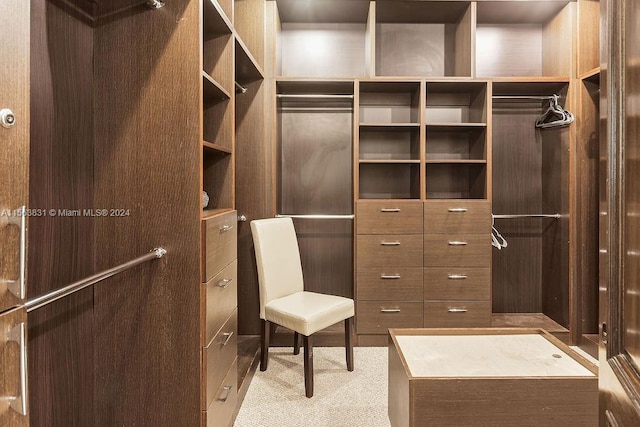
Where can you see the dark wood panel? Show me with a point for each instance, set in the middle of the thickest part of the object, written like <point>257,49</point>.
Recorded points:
<point>61,248</point>
<point>220,296</point>
<point>459,216</point>
<point>254,184</point>
<point>218,357</point>
<point>517,189</point>
<point>555,238</point>
<point>147,156</point>
<point>457,250</point>
<point>586,217</point>
<point>222,408</point>
<point>219,241</point>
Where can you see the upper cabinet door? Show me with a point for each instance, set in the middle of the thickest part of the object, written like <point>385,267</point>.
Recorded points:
<point>14,149</point>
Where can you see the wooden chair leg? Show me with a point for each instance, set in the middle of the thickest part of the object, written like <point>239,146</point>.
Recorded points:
<point>296,343</point>
<point>308,365</point>
<point>264,353</point>
<point>348,342</point>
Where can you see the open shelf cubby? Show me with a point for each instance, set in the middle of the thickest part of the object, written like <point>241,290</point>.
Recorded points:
<point>217,178</point>
<point>389,103</point>
<point>451,142</point>
<point>379,142</point>
<point>456,180</point>
<point>424,38</point>
<point>457,103</point>
<point>324,39</point>
<point>524,38</point>
<point>389,180</point>
<point>217,46</point>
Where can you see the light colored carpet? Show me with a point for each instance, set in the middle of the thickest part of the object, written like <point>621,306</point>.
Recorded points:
<point>341,398</point>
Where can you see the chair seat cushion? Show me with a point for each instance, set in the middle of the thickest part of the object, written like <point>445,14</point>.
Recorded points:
<point>308,312</point>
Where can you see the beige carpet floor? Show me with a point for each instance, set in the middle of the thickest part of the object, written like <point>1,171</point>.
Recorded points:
<point>341,398</point>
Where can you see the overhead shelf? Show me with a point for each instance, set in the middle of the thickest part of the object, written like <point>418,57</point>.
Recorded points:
<point>247,68</point>
<point>212,91</point>
<point>216,22</point>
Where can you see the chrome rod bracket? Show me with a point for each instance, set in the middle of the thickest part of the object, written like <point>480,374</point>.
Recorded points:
<point>159,251</point>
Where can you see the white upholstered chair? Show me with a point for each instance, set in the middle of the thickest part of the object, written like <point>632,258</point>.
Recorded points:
<point>284,301</point>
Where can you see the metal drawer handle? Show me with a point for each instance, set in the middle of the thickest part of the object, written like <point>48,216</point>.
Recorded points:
<point>390,243</point>
<point>19,403</point>
<point>227,336</point>
<point>391,276</point>
<point>457,243</point>
<point>457,276</point>
<point>227,389</point>
<point>458,210</point>
<point>457,310</point>
<point>390,210</point>
<point>389,310</point>
<point>225,228</point>
<point>224,283</point>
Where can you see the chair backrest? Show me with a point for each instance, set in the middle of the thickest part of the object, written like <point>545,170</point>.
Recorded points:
<point>277,259</point>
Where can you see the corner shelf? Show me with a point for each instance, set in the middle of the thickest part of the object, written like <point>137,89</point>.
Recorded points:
<point>212,91</point>
<point>215,148</point>
<point>247,68</point>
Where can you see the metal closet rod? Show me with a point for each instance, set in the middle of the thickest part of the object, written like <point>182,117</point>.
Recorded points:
<point>313,96</point>
<point>315,109</point>
<point>525,97</point>
<point>555,216</point>
<point>316,216</point>
<point>41,301</point>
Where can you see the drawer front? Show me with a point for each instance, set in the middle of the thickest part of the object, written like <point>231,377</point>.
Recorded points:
<point>221,299</point>
<point>457,250</point>
<point>389,217</point>
<point>457,314</point>
<point>219,356</point>
<point>220,411</point>
<point>457,283</point>
<point>389,251</point>
<point>220,243</point>
<point>464,216</point>
<point>390,284</point>
<point>376,317</point>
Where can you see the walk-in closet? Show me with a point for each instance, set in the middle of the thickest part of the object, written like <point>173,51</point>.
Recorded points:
<point>447,165</point>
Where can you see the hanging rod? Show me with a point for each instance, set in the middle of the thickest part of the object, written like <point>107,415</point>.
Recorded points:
<point>41,301</point>
<point>315,109</point>
<point>314,96</point>
<point>316,216</point>
<point>241,88</point>
<point>524,97</point>
<point>555,216</point>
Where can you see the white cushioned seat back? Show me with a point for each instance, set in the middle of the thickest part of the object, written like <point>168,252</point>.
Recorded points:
<point>277,259</point>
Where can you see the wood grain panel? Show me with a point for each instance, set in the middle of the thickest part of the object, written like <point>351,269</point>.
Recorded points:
<point>445,216</point>
<point>438,314</point>
<point>586,216</point>
<point>248,20</point>
<point>555,237</point>
<point>14,156</point>
<point>147,159</point>
<point>371,320</point>
<point>61,248</point>
<point>517,189</point>
<point>392,283</point>
<point>221,410</point>
<point>389,217</point>
<point>504,50</point>
<point>393,250</point>
<point>399,389</point>
<point>10,372</point>
<point>217,358</point>
<point>323,49</point>
<point>465,37</point>
<point>557,43</point>
<point>217,60</point>
<point>588,49</point>
<point>441,250</point>
<point>219,245</point>
<point>506,401</point>
<point>254,184</point>
<point>220,299</point>
<point>457,283</point>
